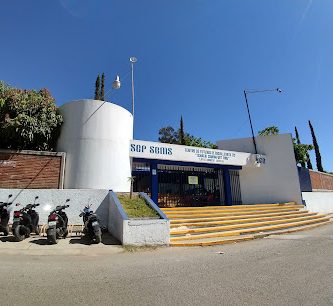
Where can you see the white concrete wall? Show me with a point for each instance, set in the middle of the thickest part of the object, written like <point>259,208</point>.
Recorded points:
<point>50,198</point>
<point>146,232</point>
<point>117,218</point>
<point>95,136</point>
<point>277,180</point>
<point>321,202</point>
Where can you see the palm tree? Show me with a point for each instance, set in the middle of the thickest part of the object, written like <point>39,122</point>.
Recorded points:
<point>131,179</point>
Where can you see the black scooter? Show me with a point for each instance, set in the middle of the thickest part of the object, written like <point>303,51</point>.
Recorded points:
<point>4,216</point>
<point>57,224</point>
<point>92,228</point>
<point>25,221</point>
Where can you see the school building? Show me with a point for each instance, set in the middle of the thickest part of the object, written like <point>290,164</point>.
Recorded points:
<point>101,153</point>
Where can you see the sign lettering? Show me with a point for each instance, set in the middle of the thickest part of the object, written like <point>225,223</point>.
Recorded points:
<point>164,151</point>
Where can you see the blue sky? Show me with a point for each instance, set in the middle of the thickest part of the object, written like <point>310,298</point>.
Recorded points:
<point>195,58</point>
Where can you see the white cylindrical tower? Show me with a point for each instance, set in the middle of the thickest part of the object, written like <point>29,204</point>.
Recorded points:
<point>96,137</point>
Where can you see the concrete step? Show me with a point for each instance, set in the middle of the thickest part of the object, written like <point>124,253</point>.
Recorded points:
<point>229,210</point>
<point>235,217</point>
<point>225,213</point>
<point>235,239</point>
<point>242,225</point>
<point>233,207</point>
<point>212,225</point>
<point>239,220</point>
<point>253,229</point>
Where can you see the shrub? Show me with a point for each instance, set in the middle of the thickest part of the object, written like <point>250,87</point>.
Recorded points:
<point>29,119</point>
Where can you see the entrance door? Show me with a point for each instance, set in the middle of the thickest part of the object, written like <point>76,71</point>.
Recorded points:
<point>188,186</point>
<point>235,187</point>
<point>142,177</point>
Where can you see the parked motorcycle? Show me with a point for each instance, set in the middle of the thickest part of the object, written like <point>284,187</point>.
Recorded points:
<point>26,221</point>
<point>92,228</point>
<point>57,224</point>
<point>4,216</point>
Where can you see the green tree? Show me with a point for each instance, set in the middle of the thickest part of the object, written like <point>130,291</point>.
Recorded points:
<point>308,162</point>
<point>316,148</point>
<point>272,130</point>
<point>29,119</point>
<point>181,132</point>
<point>102,87</point>
<point>193,141</point>
<point>301,152</point>
<point>169,135</point>
<point>131,179</point>
<point>97,88</point>
<point>298,141</point>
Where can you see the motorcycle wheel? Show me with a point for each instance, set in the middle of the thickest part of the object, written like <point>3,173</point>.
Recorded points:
<point>98,237</point>
<point>6,231</point>
<point>52,239</point>
<point>20,232</point>
<point>37,230</point>
<point>65,233</point>
<point>27,233</point>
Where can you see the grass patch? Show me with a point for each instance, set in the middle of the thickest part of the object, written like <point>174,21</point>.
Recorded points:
<point>136,207</point>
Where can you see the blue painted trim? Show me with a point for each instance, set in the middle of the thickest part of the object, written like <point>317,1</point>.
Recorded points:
<point>227,187</point>
<point>304,179</point>
<point>153,205</point>
<point>119,206</point>
<point>154,181</point>
<point>189,164</point>
<point>137,172</point>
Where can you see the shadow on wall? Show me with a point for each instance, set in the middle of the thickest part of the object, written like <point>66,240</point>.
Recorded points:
<point>95,111</point>
<point>102,211</point>
<point>304,179</point>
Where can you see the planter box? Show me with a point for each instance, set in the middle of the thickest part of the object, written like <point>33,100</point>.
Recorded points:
<point>138,231</point>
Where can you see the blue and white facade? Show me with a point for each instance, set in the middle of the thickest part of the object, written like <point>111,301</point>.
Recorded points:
<point>101,153</point>
<point>187,176</point>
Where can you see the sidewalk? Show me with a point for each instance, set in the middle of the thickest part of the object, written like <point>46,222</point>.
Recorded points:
<point>75,245</point>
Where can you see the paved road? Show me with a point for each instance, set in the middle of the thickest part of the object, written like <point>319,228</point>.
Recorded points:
<point>295,269</point>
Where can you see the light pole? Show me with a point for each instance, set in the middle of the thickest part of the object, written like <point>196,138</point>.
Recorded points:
<point>248,110</point>
<point>116,83</point>
<point>133,60</point>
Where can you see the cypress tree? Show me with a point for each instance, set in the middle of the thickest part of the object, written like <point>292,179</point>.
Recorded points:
<point>316,148</point>
<point>299,142</point>
<point>181,132</point>
<point>102,87</point>
<point>97,88</point>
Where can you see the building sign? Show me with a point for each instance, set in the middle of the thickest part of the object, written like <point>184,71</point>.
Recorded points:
<point>193,180</point>
<point>165,151</point>
<point>260,159</point>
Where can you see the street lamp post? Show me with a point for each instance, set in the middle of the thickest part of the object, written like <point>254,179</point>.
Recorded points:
<point>248,110</point>
<point>133,60</point>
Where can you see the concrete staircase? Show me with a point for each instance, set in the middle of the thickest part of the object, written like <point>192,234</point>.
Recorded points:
<point>211,225</point>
